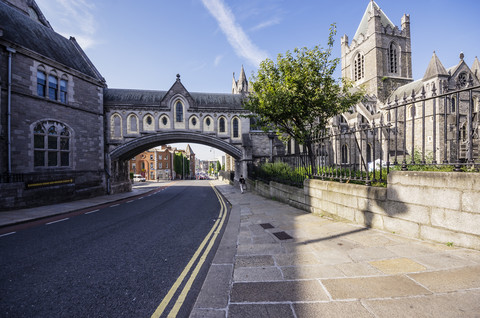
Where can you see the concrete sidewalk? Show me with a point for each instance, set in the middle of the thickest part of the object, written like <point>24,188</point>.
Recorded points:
<point>278,261</point>
<point>24,215</point>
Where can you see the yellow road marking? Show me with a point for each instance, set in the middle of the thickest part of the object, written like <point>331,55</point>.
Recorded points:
<point>188,285</point>
<point>159,311</point>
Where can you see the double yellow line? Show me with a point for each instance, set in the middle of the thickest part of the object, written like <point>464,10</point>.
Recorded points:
<point>210,239</point>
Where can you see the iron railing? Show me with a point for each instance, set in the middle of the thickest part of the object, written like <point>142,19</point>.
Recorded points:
<point>417,132</point>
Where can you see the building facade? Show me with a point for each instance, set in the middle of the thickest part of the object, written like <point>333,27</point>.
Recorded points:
<point>51,107</point>
<point>154,164</point>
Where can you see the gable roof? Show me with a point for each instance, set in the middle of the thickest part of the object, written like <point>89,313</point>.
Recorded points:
<point>21,30</point>
<point>363,26</point>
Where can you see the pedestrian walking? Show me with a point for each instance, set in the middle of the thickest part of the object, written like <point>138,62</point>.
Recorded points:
<point>242,183</point>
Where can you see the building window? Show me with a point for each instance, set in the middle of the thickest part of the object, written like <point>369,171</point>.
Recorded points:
<point>207,121</point>
<point>235,129</point>
<point>63,91</point>
<point>51,143</point>
<point>453,105</point>
<point>159,165</point>
<point>159,157</point>
<point>151,157</point>
<point>392,58</point>
<point>41,83</point>
<point>221,125</point>
<point>194,121</point>
<point>344,154</point>
<point>359,67</point>
<point>178,112</point>
<point>151,165</point>
<point>149,120</point>
<point>52,87</point>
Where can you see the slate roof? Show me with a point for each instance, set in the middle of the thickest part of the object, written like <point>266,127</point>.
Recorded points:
<point>137,97</point>
<point>21,30</point>
<point>363,26</point>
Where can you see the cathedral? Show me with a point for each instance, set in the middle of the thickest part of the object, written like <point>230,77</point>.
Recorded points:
<point>379,59</point>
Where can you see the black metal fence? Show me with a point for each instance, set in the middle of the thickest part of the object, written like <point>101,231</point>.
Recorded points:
<point>439,132</point>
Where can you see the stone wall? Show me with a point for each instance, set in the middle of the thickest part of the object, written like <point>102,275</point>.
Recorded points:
<point>442,207</point>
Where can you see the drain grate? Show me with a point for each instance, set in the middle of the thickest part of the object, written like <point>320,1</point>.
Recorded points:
<point>267,226</point>
<point>282,236</point>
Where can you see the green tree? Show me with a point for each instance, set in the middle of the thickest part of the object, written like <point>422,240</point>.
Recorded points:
<point>180,168</point>
<point>296,96</point>
<point>219,166</point>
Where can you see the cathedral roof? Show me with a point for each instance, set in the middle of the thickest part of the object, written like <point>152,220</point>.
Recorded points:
<point>406,90</point>
<point>20,29</point>
<point>363,26</point>
<point>435,68</point>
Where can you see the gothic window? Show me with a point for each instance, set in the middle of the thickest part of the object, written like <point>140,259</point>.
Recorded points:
<point>164,121</point>
<point>453,105</point>
<point>132,123</point>
<point>194,121</point>
<point>392,58</point>
<point>115,126</point>
<point>178,112</point>
<point>51,145</point>
<point>52,87</point>
<point>41,83</point>
<point>235,128</point>
<point>63,90</point>
<point>462,80</point>
<point>208,124</point>
<point>148,123</point>
<point>359,67</point>
<point>221,125</point>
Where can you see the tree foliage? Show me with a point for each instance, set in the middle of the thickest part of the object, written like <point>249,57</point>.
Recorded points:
<point>179,167</point>
<point>297,95</point>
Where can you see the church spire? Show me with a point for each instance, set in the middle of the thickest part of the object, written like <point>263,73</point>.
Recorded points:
<point>240,86</point>
<point>435,68</point>
<point>476,68</point>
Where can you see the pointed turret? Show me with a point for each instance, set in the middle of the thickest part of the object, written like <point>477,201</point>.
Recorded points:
<point>240,86</point>
<point>435,68</point>
<point>476,68</point>
<point>372,10</point>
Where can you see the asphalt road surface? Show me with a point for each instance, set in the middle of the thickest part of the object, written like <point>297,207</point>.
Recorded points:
<point>119,261</point>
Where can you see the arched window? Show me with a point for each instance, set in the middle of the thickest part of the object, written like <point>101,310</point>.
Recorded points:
<point>41,83</point>
<point>235,128</point>
<point>453,104</point>
<point>392,58</point>
<point>52,87</point>
<point>115,126</point>
<point>359,67</point>
<point>132,123</point>
<point>221,125</point>
<point>51,145</point>
<point>178,112</point>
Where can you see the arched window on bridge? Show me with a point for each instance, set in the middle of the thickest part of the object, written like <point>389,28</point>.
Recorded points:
<point>221,125</point>
<point>178,112</point>
<point>235,128</point>
<point>115,126</point>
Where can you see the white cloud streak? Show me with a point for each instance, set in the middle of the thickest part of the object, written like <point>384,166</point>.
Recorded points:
<point>265,24</point>
<point>218,58</point>
<point>237,38</point>
<point>72,18</point>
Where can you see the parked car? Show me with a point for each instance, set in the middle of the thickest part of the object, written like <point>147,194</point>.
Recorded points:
<point>138,178</point>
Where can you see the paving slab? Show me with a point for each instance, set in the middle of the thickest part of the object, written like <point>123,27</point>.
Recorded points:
<point>260,311</point>
<point>337,309</point>
<point>451,305</point>
<point>257,274</point>
<point>450,280</point>
<point>372,287</point>
<point>287,291</point>
<point>398,266</point>
<point>309,272</point>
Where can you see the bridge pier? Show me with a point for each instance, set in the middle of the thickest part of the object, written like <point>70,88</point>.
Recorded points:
<point>119,179</point>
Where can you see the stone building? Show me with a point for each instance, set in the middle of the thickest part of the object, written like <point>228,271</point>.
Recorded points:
<point>51,112</point>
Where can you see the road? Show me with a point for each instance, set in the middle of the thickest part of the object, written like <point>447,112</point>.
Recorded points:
<point>119,261</point>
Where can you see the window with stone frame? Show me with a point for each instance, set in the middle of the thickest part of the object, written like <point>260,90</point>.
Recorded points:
<point>63,90</point>
<point>178,112</point>
<point>235,128</point>
<point>41,83</point>
<point>392,58</point>
<point>221,125</point>
<point>51,145</point>
<point>52,87</point>
<point>359,67</point>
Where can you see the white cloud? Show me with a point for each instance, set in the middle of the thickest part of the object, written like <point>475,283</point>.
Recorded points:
<point>72,18</point>
<point>265,24</point>
<point>218,58</point>
<point>237,38</point>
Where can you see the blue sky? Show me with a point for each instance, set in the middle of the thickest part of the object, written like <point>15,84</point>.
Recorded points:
<point>144,43</point>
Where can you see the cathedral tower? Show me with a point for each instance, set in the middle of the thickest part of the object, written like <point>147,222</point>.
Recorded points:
<point>379,56</point>
<point>240,86</point>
